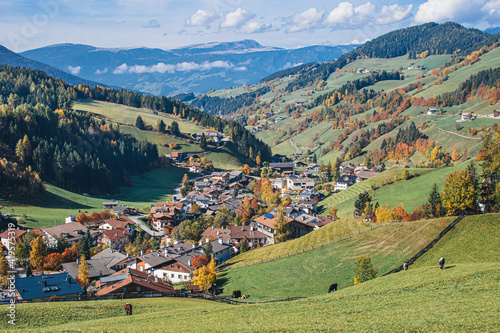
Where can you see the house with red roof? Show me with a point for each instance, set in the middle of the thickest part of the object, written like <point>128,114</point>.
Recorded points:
<point>114,238</point>
<point>130,280</point>
<point>9,236</point>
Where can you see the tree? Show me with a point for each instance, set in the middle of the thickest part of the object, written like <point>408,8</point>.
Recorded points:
<point>83,271</point>
<point>385,214</point>
<point>4,266</point>
<point>459,195</point>
<point>405,175</point>
<point>174,129</point>
<point>435,205</point>
<point>490,163</point>
<point>139,123</point>
<point>37,252</point>
<point>244,245</point>
<point>455,155</point>
<point>203,142</point>
<point>199,261</point>
<point>246,170</point>
<point>85,245</point>
<point>208,251</point>
<point>281,226</point>
<point>332,212</point>
<point>360,203</point>
<point>53,261</point>
<point>363,269</point>
<point>205,275</point>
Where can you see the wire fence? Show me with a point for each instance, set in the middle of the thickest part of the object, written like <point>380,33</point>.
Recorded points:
<point>123,296</point>
<point>312,248</point>
<point>429,246</point>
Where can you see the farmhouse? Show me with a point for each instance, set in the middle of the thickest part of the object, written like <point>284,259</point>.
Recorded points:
<point>165,215</point>
<point>130,280</point>
<point>282,167</point>
<point>122,222</point>
<point>11,235</point>
<point>344,182</point>
<point>255,238</point>
<point>299,184</point>
<point>72,232</point>
<point>266,224</point>
<point>176,269</point>
<point>115,238</point>
<point>97,267</point>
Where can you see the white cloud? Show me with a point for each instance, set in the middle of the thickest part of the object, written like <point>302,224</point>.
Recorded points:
<point>307,20</point>
<point>236,19</point>
<point>255,27</point>
<point>365,9</point>
<point>171,68</point>
<point>104,71</point>
<point>341,14</point>
<point>448,10</point>
<point>74,70</point>
<point>393,13</point>
<point>202,18</point>
<point>152,24</point>
<point>492,8</point>
<point>345,12</point>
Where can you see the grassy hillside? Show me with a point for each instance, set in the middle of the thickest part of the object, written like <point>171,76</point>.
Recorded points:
<point>474,240</point>
<point>127,115</point>
<point>464,298</point>
<point>57,204</point>
<point>311,273</point>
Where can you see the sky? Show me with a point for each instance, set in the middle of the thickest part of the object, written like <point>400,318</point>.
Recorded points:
<point>168,24</point>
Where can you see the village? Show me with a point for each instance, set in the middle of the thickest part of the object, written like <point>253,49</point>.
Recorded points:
<point>122,250</point>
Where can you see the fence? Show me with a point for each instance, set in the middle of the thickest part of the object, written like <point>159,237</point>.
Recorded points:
<point>314,247</point>
<point>429,246</point>
<point>122,296</point>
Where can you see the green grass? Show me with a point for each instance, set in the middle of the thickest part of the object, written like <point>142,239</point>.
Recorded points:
<point>462,299</point>
<point>128,115</point>
<point>354,190</point>
<point>475,239</point>
<point>227,157</point>
<point>57,203</point>
<point>310,273</point>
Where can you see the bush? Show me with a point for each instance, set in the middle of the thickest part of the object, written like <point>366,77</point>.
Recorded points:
<point>236,293</point>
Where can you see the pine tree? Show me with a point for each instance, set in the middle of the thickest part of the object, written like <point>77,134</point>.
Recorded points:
<point>244,245</point>
<point>203,142</point>
<point>139,123</point>
<point>435,203</point>
<point>208,251</point>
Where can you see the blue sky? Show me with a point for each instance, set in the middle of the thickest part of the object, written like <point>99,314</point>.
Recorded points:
<point>169,24</point>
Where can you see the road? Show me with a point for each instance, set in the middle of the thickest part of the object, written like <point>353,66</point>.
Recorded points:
<point>145,227</point>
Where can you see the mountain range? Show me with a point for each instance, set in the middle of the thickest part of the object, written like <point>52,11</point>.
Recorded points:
<point>195,68</point>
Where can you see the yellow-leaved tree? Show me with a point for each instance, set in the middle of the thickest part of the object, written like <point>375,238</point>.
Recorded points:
<point>37,252</point>
<point>205,275</point>
<point>83,271</point>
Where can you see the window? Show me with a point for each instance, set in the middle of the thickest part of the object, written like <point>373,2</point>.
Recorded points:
<point>180,276</point>
<point>172,275</point>
<point>138,289</point>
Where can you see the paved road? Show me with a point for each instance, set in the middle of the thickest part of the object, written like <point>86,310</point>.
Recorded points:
<point>145,227</point>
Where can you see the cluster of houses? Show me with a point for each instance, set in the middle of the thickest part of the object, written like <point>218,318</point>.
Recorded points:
<point>351,175</point>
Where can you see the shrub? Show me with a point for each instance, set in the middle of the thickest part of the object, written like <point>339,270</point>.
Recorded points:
<point>236,293</point>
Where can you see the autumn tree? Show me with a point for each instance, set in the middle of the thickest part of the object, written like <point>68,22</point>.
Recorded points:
<point>455,155</point>
<point>4,266</point>
<point>459,195</point>
<point>281,227</point>
<point>246,170</point>
<point>37,252</point>
<point>199,261</point>
<point>53,261</point>
<point>364,270</point>
<point>385,214</point>
<point>205,275</point>
<point>332,212</point>
<point>83,271</point>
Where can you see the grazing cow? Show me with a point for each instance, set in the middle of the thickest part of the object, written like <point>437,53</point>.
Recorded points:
<point>441,263</point>
<point>333,287</point>
<point>128,309</point>
<point>405,266</point>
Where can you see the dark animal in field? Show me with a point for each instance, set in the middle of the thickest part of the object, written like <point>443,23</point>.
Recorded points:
<point>333,287</point>
<point>128,309</point>
<point>441,263</point>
